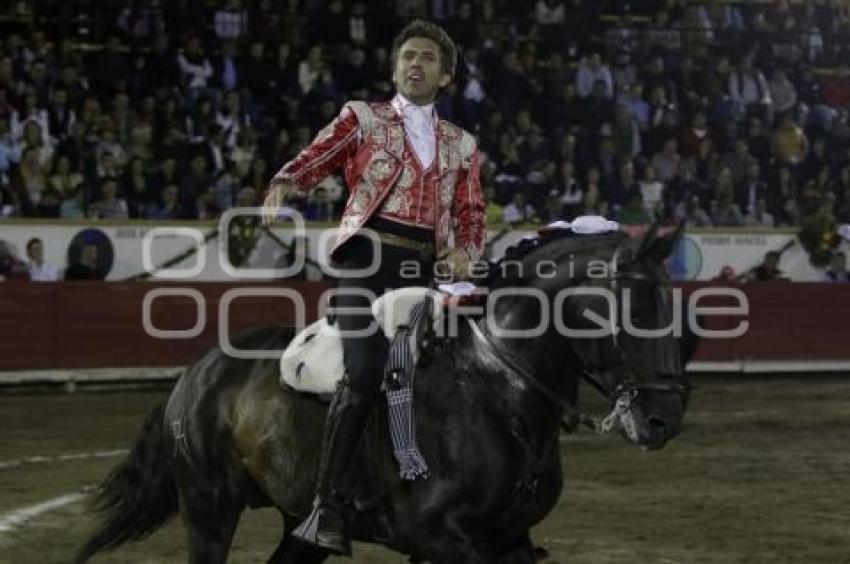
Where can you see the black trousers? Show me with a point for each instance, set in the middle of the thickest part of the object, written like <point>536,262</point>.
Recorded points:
<point>365,355</point>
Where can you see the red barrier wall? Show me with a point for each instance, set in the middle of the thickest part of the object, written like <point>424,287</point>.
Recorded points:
<point>95,324</point>
<point>99,324</point>
<point>787,321</point>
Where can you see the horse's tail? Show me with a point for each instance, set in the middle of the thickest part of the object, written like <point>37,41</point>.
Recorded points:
<point>139,495</point>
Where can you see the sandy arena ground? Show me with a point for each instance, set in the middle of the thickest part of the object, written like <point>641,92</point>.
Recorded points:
<point>761,474</point>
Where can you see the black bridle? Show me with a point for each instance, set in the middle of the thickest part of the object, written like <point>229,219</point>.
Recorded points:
<point>509,361</point>
<point>678,385</point>
<point>625,389</point>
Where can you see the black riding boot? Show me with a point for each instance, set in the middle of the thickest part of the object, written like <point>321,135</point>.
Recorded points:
<point>327,525</point>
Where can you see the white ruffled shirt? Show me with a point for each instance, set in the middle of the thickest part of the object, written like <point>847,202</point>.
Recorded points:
<point>420,127</point>
<point>43,273</point>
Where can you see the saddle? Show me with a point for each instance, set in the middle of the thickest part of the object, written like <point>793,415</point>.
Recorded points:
<point>313,361</point>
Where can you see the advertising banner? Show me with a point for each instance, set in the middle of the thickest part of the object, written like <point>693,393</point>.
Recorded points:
<point>240,249</point>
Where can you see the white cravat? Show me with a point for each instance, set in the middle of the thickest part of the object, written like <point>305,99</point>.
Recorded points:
<point>419,127</point>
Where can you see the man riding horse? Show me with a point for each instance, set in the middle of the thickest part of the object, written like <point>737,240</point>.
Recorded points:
<point>414,182</point>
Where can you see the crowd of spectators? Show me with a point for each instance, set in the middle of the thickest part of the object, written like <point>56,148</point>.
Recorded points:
<point>717,114</point>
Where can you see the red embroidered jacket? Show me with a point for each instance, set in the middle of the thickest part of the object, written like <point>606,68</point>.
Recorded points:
<point>367,140</point>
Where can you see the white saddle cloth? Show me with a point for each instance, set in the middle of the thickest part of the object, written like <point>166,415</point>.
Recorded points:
<point>313,360</point>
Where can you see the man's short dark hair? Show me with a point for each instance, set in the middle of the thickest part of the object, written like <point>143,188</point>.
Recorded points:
<point>428,30</point>
<point>34,241</point>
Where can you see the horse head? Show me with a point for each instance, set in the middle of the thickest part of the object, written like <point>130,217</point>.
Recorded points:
<point>599,307</point>
<point>637,364</point>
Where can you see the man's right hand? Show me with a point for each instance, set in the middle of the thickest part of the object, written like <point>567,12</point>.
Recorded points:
<point>458,262</point>
<point>279,191</point>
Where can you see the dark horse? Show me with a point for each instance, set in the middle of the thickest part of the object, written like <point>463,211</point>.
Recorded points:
<point>489,409</point>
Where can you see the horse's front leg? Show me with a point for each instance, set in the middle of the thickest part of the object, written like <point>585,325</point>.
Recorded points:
<point>523,552</point>
<point>457,545</point>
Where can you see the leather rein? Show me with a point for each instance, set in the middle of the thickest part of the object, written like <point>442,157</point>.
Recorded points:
<point>625,391</point>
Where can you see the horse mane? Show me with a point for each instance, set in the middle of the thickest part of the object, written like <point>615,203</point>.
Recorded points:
<point>553,244</point>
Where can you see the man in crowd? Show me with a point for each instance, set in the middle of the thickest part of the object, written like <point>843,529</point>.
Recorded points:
<point>837,270</point>
<point>39,270</point>
<point>10,265</point>
<point>768,270</point>
<point>86,267</point>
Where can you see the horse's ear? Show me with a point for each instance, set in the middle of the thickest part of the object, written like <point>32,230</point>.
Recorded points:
<point>667,241</point>
<point>648,241</point>
<point>678,232</point>
<point>663,242</point>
